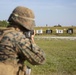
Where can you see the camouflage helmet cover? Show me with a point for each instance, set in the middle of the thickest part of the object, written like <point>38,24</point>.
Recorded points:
<point>23,16</point>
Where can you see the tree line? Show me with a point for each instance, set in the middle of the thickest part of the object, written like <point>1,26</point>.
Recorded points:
<point>3,23</point>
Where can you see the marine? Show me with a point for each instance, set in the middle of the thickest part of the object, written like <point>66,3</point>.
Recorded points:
<point>17,43</point>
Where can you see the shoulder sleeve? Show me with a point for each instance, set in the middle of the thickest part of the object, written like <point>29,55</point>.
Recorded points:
<point>32,52</point>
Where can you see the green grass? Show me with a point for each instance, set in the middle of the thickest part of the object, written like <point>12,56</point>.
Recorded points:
<point>60,57</point>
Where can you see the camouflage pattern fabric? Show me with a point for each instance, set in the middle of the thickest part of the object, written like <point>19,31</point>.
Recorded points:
<point>15,45</point>
<point>23,16</point>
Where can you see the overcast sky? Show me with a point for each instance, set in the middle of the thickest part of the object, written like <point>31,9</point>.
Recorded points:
<point>50,12</point>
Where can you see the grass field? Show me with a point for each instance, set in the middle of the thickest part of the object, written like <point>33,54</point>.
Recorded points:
<point>60,57</point>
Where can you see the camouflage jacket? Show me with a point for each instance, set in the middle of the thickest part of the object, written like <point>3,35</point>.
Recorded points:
<point>14,44</point>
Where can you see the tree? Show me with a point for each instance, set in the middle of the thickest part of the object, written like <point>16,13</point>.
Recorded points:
<point>4,23</point>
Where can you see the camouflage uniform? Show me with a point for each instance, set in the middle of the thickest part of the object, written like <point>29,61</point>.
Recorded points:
<point>15,45</point>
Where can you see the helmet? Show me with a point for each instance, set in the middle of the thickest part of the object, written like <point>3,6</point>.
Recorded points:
<point>23,16</point>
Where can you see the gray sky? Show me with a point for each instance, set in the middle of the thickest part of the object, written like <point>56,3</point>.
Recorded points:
<point>51,12</point>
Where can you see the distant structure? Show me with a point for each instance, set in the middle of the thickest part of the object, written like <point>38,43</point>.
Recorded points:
<point>48,31</point>
<point>59,31</point>
<point>70,31</point>
<point>46,25</point>
<point>39,31</point>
